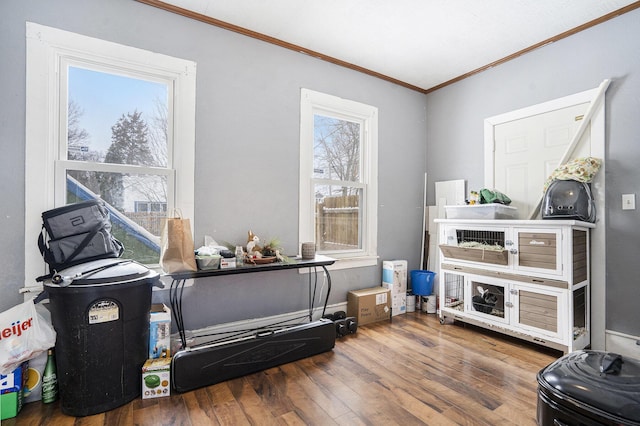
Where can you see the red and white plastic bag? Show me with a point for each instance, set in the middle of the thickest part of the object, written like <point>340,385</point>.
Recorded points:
<point>24,334</point>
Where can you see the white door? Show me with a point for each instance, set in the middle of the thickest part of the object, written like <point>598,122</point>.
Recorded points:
<point>528,150</point>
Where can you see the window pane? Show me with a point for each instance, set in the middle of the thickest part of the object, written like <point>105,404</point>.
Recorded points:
<point>116,119</point>
<point>336,152</point>
<point>139,231</point>
<point>338,219</point>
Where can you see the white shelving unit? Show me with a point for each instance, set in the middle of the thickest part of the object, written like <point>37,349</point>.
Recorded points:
<point>524,278</point>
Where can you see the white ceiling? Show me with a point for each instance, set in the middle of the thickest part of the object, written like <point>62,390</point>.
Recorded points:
<point>422,43</point>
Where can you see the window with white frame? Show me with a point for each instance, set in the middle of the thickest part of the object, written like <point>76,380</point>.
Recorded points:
<point>338,177</point>
<point>108,121</point>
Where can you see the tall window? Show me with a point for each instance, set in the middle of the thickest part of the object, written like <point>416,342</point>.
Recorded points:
<point>116,149</point>
<point>112,122</point>
<point>338,177</point>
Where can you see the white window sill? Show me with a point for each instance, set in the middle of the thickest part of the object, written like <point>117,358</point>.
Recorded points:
<point>348,263</point>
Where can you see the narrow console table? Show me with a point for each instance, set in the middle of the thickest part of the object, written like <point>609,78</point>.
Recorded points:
<point>250,350</point>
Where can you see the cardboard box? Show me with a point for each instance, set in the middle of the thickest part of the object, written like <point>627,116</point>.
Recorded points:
<point>369,304</point>
<point>156,378</point>
<point>394,277</point>
<point>159,331</point>
<point>398,304</point>
<point>11,391</point>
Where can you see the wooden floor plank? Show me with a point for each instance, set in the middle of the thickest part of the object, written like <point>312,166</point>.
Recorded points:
<point>441,372</point>
<point>480,366</point>
<point>292,419</point>
<point>252,405</point>
<point>227,408</point>
<point>408,371</point>
<point>372,400</point>
<point>513,414</point>
<point>301,374</point>
<point>200,408</point>
<point>305,406</point>
<point>161,411</point>
<point>270,386</point>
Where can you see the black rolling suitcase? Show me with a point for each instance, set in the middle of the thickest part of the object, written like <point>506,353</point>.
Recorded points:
<point>589,388</point>
<point>214,363</point>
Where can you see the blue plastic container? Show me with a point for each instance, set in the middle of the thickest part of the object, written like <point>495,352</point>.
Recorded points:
<point>422,282</point>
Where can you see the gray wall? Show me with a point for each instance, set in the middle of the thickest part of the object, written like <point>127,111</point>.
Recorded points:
<point>611,50</point>
<point>247,138</point>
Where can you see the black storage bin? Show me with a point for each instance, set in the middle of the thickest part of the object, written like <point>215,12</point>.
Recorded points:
<point>589,388</point>
<point>100,311</point>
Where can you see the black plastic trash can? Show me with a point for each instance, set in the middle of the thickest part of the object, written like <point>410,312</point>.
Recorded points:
<point>100,311</point>
<point>586,388</point>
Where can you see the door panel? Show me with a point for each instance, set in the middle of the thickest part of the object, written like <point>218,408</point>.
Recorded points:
<point>528,150</point>
<point>539,251</point>
<point>488,298</point>
<point>539,310</point>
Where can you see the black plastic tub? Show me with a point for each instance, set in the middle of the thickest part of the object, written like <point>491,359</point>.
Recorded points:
<point>100,311</point>
<point>589,388</point>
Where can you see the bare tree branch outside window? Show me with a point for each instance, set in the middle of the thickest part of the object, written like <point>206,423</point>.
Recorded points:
<point>337,150</point>
<point>78,139</point>
<point>158,132</point>
<point>337,168</point>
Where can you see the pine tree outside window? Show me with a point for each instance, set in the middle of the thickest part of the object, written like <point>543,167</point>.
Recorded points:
<point>122,119</point>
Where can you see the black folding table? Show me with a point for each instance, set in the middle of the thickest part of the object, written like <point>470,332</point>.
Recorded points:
<point>249,351</point>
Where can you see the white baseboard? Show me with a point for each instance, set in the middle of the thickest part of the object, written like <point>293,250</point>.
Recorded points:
<point>622,344</point>
<point>290,318</point>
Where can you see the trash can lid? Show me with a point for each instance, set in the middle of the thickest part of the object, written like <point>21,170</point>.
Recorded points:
<point>101,272</point>
<point>603,380</point>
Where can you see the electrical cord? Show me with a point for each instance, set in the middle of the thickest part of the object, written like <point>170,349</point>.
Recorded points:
<point>175,300</point>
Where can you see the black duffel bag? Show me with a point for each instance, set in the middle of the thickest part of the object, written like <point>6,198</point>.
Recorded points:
<point>77,233</point>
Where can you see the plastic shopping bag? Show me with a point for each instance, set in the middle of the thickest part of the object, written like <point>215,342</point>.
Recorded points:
<point>24,334</point>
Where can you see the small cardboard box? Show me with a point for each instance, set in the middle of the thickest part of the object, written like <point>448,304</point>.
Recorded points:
<point>369,304</point>
<point>394,277</point>
<point>156,378</point>
<point>11,391</point>
<point>159,331</point>
<point>398,304</point>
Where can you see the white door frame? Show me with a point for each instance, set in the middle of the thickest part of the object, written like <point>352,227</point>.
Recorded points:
<point>598,234</point>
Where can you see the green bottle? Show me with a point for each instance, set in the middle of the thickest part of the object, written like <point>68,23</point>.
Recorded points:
<point>50,379</point>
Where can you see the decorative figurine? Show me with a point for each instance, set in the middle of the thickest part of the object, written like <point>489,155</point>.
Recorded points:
<point>253,249</point>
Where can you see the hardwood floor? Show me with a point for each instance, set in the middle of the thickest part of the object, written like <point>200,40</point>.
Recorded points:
<point>410,371</point>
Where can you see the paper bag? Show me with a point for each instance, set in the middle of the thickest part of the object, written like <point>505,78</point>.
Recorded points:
<point>177,246</point>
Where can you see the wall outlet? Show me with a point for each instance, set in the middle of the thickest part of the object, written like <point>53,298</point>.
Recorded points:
<point>628,201</point>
